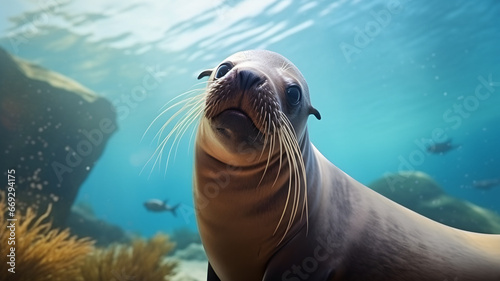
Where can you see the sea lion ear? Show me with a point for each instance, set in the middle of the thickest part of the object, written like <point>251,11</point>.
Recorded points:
<point>205,73</point>
<point>315,112</point>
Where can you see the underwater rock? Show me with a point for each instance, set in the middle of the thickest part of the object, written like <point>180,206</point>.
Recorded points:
<point>191,271</point>
<point>420,193</point>
<point>194,251</point>
<point>184,237</point>
<point>190,255</point>
<point>83,223</point>
<point>192,263</point>
<point>53,131</point>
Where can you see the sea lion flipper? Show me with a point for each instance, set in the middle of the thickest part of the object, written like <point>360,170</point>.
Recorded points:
<point>211,275</point>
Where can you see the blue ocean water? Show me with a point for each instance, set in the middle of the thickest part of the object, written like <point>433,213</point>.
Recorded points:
<point>386,75</point>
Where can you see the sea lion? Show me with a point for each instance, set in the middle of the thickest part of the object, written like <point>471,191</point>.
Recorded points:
<point>270,206</point>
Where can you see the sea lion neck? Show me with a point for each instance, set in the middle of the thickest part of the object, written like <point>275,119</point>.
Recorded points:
<point>239,211</point>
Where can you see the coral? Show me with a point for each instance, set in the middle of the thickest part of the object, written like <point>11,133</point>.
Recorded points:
<point>143,261</point>
<point>41,253</point>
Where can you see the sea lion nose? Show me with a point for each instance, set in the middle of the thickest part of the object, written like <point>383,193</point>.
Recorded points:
<point>247,79</point>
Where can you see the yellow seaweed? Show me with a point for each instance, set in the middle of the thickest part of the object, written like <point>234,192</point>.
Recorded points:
<point>140,261</point>
<point>41,253</point>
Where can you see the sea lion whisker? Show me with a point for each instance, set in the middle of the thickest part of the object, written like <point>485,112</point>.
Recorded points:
<point>193,114</point>
<point>259,133</point>
<point>262,123</point>
<point>188,105</point>
<point>272,145</point>
<point>268,139</point>
<point>271,139</point>
<point>285,146</point>
<point>189,92</point>
<point>191,105</point>
<point>291,164</point>
<point>260,157</point>
<point>301,164</point>
<point>280,154</point>
<point>302,179</point>
<point>284,66</point>
<point>174,131</point>
<point>289,139</point>
<point>181,127</point>
<point>168,109</point>
<point>299,173</point>
<point>194,128</point>
<point>157,153</point>
<point>194,107</point>
<point>294,170</point>
<point>305,208</point>
<point>265,138</point>
<point>186,123</point>
<point>264,172</point>
<point>170,106</point>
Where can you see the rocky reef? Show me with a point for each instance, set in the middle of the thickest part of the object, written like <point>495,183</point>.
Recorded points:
<point>53,131</point>
<point>192,263</point>
<point>420,193</point>
<point>184,237</point>
<point>82,222</point>
<point>194,251</point>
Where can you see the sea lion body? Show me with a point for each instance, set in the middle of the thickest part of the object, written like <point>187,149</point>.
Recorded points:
<point>357,234</point>
<point>271,207</point>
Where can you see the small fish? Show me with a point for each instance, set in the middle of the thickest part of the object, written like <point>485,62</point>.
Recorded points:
<point>441,147</point>
<point>486,184</point>
<point>155,205</point>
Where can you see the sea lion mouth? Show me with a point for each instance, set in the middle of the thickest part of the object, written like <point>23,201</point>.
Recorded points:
<point>256,106</point>
<point>235,124</point>
<point>233,115</point>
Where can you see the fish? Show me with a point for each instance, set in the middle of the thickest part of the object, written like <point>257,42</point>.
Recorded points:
<point>156,205</point>
<point>486,184</point>
<point>441,147</point>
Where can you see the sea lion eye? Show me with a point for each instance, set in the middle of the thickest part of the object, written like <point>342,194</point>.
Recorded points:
<point>293,95</point>
<point>223,70</point>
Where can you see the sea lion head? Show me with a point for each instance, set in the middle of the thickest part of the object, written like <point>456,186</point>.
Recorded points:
<point>251,97</point>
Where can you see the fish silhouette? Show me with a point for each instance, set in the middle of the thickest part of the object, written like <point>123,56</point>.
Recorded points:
<point>486,184</point>
<point>156,205</point>
<point>441,147</point>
